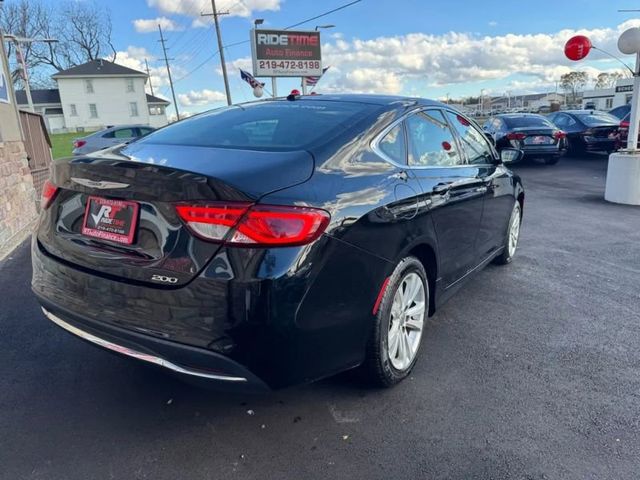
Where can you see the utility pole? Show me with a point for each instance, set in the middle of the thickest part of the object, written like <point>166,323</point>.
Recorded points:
<point>215,15</point>
<point>166,61</point>
<point>149,75</point>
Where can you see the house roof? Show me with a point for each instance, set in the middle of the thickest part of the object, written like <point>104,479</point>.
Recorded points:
<point>50,95</point>
<point>153,99</point>
<point>98,67</point>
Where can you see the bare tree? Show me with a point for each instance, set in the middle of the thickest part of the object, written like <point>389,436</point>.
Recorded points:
<point>83,31</point>
<point>23,19</point>
<point>573,83</point>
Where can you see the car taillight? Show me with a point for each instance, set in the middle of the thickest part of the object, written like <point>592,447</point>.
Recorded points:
<point>559,135</point>
<point>79,143</point>
<point>257,225</point>
<point>516,136</point>
<point>49,191</point>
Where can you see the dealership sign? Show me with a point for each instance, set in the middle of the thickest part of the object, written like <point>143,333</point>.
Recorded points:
<point>285,53</point>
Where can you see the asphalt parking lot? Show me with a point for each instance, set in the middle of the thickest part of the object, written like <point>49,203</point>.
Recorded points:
<point>531,372</point>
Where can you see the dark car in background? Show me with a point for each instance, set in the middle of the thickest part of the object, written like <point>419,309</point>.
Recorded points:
<point>623,112</point>
<point>109,137</point>
<point>276,242</point>
<point>536,136</point>
<point>587,130</point>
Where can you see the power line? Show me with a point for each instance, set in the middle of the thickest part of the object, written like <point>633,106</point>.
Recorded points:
<point>323,14</point>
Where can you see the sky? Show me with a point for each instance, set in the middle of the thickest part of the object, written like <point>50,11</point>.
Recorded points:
<point>428,48</point>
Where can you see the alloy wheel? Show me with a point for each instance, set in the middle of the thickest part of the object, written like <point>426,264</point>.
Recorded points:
<point>514,230</point>
<point>407,321</point>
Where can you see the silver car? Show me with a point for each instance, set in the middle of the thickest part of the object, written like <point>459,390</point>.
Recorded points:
<point>109,137</point>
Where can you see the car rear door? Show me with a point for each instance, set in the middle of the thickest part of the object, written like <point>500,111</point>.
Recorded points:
<point>495,185</point>
<point>452,188</point>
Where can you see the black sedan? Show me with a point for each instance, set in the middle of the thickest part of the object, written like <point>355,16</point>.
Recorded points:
<point>276,242</point>
<point>536,136</point>
<point>587,130</point>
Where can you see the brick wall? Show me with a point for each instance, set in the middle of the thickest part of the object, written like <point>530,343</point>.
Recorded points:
<point>17,196</point>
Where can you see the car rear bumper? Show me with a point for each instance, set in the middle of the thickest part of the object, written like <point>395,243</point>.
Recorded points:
<point>537,152</point>
<point>595,144</point>
<point>189,362</point>
<point>274,317</point>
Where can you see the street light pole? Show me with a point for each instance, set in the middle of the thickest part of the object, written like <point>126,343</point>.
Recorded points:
<point>304,79</point>
<point>20,56</point>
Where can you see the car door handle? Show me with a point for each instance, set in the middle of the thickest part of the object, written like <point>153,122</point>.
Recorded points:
<point>442,188</point>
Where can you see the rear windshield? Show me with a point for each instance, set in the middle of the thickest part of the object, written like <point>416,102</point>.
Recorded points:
<point>267,125</point>
<point>597,118</point>
<point>528,121</point>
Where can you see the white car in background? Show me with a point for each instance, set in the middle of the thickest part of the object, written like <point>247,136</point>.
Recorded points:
<point>109,137</point>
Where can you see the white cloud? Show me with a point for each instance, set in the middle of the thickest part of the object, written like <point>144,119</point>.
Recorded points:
<point>201,97</point>
<point>134,57</point>
<point>193,8</point>
<point>493,23</point>
<point>147,25</point>
<point>384,64</point>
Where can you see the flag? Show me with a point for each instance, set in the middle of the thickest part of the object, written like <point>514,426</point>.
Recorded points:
<point>313,81</point>
<point>250,79</point>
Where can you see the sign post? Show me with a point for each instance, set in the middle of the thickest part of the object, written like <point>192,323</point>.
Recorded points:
<point>623,170</point>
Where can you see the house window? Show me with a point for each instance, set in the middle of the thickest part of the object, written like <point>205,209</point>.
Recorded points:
<point>608,103</point>
<point>88,86</point>
<point>53,111</point>
<point>133,109</point>
<point>74,110</point>
<point>157,110</point>
<point>130,85</point>
<point>93,110</point>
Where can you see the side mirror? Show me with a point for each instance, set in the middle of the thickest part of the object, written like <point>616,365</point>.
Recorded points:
<point>511,155</point>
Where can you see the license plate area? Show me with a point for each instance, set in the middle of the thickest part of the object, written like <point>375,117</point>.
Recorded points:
<point>113,220</point>
<point>539,140</point>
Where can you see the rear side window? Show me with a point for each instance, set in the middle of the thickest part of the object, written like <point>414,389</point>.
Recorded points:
<point>393,145</point>
<point>266,125</point>
<point>528,121</point>
<point>124,133</point>
<point>474,143</point>
<point>597,118</point>
<point>431,142</point>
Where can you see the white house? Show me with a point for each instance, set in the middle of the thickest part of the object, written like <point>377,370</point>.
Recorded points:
<point>608,98</point>
<point>97,94</point>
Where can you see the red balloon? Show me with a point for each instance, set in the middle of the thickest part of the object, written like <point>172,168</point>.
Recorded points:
<point>577,47</point>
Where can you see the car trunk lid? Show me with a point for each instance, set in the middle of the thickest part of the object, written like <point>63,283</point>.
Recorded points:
<point>154,178</point>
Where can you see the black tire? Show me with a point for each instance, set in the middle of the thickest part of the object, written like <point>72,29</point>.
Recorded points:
<point>552,160</point>
<point>506,257</point>
<point>377,365</point>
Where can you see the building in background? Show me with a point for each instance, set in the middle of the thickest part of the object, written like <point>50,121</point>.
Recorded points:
<point>608,98</point>
<point>95,95</point>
